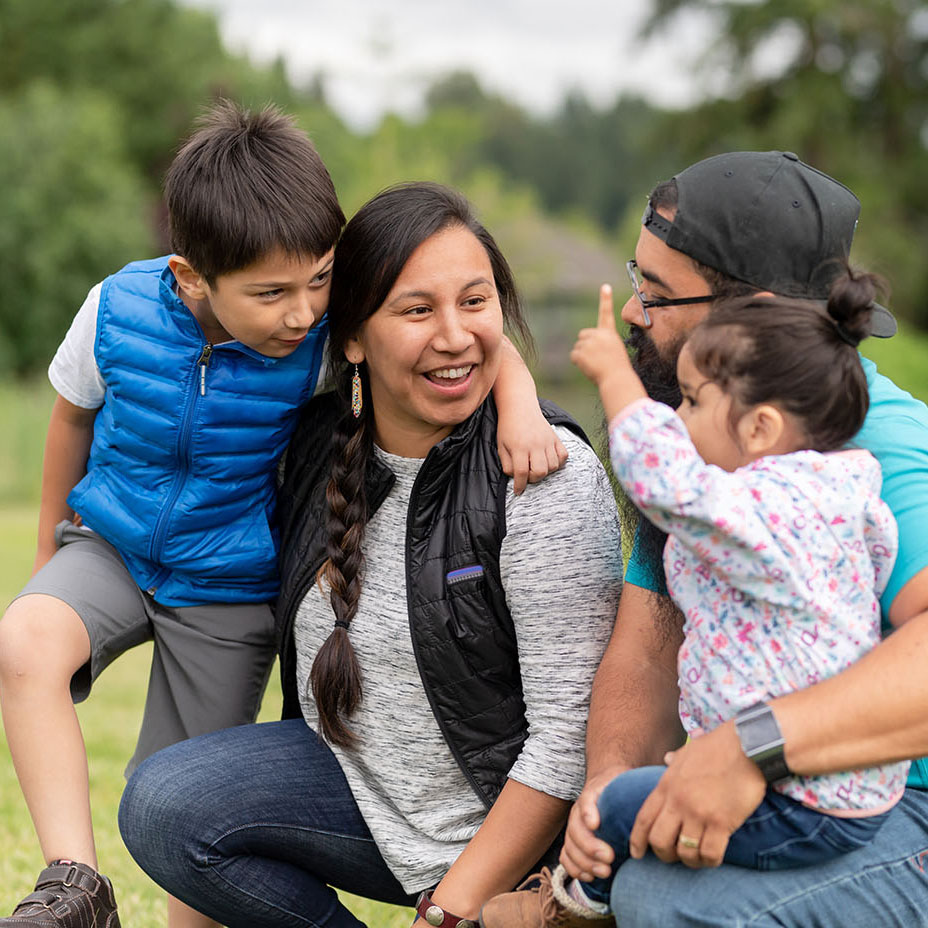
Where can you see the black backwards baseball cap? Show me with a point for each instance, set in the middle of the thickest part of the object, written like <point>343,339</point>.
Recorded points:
<point>767,219</point>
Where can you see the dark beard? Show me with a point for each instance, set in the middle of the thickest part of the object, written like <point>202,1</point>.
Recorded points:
<point>658,373</point>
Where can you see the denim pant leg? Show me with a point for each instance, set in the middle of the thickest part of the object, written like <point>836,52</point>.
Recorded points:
<point>618,806</point>
<point>883,884</point>
<point>253,826</point>
<point>782,833</point>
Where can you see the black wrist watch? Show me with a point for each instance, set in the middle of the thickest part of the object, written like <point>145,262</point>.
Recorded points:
<point>762,741</point>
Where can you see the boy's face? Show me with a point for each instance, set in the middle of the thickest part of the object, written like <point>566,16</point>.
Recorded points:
<point>269,306</point>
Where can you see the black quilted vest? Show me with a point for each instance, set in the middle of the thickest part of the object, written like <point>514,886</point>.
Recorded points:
<point>462,632</point>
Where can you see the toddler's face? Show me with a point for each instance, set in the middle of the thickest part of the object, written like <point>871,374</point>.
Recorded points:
<point>706,411</point>
<point>270,305</point>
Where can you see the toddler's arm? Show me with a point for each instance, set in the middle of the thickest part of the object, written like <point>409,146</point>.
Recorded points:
<point>601,355</point>
<point>528,447</point>
<point>67,446</point>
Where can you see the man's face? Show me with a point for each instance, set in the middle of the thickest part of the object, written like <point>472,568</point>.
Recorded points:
<point>670,274</point>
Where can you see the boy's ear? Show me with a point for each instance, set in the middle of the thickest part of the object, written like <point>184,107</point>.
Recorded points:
<point>761,429</point>
<point>188,279</point>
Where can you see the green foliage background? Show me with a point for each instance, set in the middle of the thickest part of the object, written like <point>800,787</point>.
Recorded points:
<point>95,96</point>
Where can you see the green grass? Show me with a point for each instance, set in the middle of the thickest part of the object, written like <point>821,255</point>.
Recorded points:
<point>110,720</point>
<point>111,716</point>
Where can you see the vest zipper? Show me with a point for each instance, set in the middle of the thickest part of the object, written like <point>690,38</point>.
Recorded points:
<point>183,459</point>
<point>203,363</point>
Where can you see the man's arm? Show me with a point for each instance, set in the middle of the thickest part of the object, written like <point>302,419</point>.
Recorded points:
<point>872,713</point>
<point>67,446</point>
<point>633,717</point>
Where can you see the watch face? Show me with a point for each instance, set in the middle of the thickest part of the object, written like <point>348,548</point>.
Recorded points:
<point>762,741</point>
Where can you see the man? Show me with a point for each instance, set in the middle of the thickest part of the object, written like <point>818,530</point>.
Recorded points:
<point>756,222</point>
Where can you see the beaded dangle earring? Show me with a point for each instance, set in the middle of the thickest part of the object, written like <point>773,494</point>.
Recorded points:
<point>356,399</point>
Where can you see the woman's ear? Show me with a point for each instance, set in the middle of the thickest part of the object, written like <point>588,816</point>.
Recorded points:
<point>354,352</point>
<point>761,431</point>
<point>189,280</point>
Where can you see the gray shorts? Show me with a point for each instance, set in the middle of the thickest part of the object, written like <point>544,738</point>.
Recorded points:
<point>210,663</point>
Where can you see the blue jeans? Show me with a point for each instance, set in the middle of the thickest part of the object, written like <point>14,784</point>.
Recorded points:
<point>253,826</point>
<point>780,833</point>
<point>883,884</point>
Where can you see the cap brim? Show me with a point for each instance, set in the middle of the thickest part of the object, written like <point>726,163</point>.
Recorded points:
<point>882,322</point>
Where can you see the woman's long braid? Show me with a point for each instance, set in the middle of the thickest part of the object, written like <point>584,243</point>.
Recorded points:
<point>371,254</point>
<point>336,676</point>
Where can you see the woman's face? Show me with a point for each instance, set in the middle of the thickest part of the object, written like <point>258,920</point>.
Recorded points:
<point>433,348</point>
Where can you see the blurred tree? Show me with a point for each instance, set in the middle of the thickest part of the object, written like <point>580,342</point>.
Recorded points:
<point>581,160</point>
<point>95,96</point>
<point>74,210</point>
<point>159,61</point>
<point>844,83</point>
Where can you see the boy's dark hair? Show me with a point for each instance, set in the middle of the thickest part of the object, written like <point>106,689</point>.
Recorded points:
<point>795,353</point>
<point>377,242</point>
<point>245,185</point>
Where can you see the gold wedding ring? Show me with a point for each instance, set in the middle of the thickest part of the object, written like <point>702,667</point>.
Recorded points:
<point>689,842</point>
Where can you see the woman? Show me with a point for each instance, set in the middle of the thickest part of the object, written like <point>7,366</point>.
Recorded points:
<point>440,633</point>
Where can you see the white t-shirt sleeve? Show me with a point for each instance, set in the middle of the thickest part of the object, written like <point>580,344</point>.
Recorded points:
<point>73,371</point>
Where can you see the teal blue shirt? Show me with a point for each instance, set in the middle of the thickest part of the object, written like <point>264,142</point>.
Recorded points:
<point>895,432</point>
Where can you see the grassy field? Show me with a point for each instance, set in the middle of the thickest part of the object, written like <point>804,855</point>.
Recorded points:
<point>110,718</point>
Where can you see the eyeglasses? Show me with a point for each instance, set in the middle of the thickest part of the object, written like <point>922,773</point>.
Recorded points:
<point>646,304</point>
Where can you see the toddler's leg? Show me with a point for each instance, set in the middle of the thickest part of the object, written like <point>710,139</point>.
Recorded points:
<point>43,642</point>
<point>618,806</point>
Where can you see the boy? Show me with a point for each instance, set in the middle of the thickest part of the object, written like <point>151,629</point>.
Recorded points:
<point>178,385</point>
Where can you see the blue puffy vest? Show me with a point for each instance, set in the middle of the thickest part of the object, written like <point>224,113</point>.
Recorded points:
<point>181,476</point>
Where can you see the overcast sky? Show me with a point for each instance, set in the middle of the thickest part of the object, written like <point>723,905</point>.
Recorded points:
<point>380,56</point>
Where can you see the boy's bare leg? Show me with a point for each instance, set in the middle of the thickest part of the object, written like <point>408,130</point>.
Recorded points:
<point>182,916</point>
<point>42,643</point>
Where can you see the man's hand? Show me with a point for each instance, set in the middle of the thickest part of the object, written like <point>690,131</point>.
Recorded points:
<point>584,855</point>
<point>706,793</point>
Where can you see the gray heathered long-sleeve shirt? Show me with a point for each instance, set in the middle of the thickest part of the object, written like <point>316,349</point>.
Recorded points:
<point>561,569</point>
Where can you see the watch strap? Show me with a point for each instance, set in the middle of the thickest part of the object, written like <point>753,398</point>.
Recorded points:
<point>436,916</point>
<point>762,741</point>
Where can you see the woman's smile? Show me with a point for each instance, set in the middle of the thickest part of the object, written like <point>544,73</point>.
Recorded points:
<point>451,377</point>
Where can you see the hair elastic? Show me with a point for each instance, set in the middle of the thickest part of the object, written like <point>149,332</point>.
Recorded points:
<point>846,336</point>
<point>341,623</point>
